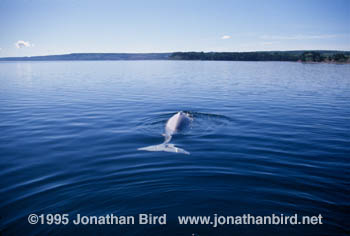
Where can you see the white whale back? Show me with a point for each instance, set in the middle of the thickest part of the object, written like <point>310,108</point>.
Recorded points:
<point>176,122</point>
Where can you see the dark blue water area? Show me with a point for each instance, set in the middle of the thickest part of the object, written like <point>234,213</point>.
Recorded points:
<point>266,138</point>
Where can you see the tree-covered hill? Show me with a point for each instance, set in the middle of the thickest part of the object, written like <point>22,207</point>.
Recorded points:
<point>93,57</point>
<point>302,56</point>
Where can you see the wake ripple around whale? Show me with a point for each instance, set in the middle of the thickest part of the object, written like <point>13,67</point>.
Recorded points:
<point>202,122</point>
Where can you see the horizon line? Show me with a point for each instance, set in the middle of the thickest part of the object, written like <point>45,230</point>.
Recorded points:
<point>72,53</point>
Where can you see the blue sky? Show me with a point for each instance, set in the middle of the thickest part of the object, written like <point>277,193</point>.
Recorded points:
<point>42,27</point>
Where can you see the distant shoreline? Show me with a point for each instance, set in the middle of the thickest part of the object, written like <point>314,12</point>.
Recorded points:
<point>313,56</point>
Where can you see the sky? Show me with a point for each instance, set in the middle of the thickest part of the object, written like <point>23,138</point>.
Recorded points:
<point>46,27</point>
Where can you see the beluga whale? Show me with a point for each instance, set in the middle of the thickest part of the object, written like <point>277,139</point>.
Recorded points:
<point>176,123</point>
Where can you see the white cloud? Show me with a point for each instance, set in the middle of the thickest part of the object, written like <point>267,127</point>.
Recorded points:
<point>297,37</point>
<point>23,44</point>
<point>226,37</point>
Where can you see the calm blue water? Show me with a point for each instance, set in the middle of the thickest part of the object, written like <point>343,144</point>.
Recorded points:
<point>267,138</point>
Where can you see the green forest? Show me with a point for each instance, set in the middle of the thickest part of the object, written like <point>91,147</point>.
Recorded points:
<point>302,56</point>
